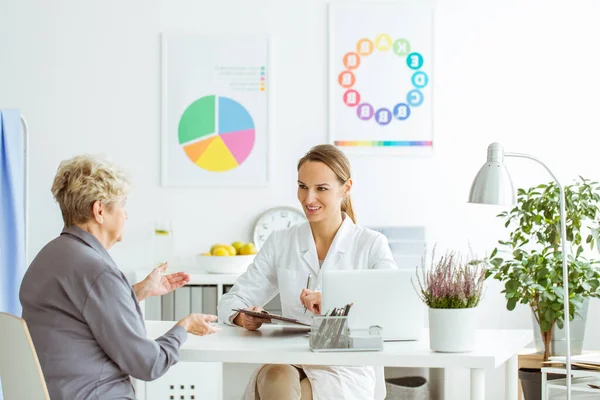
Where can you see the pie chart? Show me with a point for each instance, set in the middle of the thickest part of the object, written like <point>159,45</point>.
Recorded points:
<point>216,133</point>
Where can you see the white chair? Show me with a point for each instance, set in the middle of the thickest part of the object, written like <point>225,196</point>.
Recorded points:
<point>20,370</point>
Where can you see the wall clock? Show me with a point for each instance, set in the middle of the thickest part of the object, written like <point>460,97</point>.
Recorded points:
<point>274,219</point>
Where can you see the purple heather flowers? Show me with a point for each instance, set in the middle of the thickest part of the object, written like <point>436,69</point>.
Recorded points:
<point>453,281</point>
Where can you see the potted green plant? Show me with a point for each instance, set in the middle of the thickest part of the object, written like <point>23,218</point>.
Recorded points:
<point>531,269</point>
<point>451,287</point>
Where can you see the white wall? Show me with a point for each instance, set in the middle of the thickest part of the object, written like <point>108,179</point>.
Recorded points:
<point>86,76</point>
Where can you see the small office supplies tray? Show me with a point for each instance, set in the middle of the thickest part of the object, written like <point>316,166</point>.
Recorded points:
<point>331,334</point>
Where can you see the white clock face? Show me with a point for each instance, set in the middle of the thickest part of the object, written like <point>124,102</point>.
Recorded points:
<point>273,220</point>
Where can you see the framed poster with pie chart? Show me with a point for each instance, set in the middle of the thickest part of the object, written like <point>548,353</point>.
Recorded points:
<point>215,118</point>
<point>380,78</point>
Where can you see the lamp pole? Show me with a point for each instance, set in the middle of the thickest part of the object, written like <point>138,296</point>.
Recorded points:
<point>563,240</point>
<point>493,185</point>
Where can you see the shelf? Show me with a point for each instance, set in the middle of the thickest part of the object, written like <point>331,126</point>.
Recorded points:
<point>578,384</point>
<point>574,372</point>
<point>198,277</point>
<point>579,381</point>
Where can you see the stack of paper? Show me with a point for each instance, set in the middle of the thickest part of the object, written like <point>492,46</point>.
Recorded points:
<point>585,361</point>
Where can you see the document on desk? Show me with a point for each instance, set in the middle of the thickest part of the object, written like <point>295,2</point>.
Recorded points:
<point>268,316</point>
<point>588,358</point>
<point>585,361</point>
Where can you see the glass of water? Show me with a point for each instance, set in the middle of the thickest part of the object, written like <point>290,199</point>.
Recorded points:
<point>162,242</point>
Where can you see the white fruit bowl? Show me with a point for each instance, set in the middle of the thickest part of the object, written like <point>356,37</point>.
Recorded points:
<point>224,264</point>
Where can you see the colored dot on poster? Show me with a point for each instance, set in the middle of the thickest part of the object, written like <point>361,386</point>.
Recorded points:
<point>346,79</point>
<point>401,111</point>
<point>364,47</point>
<point>420,79</point>
<point>414,60</point>
<point>383,116</point>
<point>364,111</point>
<point>414,98</point>
<point>401,47</point>
<point>383,42</point>
<point>351,60</point>
<point>351,98</point>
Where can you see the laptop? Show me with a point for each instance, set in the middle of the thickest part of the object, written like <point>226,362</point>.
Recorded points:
<point>381,297</point>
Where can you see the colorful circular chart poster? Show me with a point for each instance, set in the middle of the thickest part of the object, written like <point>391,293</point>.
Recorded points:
<point>380,73</point>
<point>214,111</point>
<point>216,133</point>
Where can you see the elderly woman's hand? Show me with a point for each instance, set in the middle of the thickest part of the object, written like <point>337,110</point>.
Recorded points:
<point>199,324</point>
<point>157,284</point>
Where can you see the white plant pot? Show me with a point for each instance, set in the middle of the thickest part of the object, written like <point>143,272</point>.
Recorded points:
<point>452,330</point>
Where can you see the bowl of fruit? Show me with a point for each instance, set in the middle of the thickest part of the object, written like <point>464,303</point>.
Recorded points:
<point>227,258</point>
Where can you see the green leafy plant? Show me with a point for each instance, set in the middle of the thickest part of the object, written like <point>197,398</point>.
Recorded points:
<point>452,281</point>
<point>532,271</point>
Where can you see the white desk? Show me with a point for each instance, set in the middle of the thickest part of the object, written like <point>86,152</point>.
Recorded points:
<point>278,345</point>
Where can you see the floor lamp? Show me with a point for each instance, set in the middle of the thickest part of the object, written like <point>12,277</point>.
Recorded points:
<point>493,185</point>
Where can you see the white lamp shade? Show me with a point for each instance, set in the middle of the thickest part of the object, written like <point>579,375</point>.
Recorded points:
<point>493,184</point>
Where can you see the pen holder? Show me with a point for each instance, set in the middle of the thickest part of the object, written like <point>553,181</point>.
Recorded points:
<point>329,333</point>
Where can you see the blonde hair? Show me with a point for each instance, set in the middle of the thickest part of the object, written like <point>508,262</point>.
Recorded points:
<point>337,161</point>
<point>83,180</point>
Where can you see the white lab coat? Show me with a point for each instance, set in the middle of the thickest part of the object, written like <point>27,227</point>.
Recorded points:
<point>282,266</point>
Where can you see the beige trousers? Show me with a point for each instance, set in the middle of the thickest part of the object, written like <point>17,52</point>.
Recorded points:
<point>282,382</point>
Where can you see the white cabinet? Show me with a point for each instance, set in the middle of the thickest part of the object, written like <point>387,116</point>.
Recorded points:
<point>186,381</point>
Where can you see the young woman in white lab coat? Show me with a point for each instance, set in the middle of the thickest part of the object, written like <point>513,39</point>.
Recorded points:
<point>328,240</point>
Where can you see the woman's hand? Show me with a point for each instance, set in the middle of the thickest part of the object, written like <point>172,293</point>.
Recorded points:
<point>311,300</point>
<point>156,284</point>
<point>248,321</point>
<point>199,324</point>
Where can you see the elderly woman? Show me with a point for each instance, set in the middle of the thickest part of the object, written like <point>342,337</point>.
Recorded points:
<point>84,317</point>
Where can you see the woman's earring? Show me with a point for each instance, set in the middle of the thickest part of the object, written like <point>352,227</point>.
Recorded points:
<point>101,220</point>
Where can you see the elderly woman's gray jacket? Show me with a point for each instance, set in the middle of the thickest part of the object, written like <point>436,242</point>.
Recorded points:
<point>86,323</point>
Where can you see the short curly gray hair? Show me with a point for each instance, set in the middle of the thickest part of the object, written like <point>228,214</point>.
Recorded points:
<point>84,179</point>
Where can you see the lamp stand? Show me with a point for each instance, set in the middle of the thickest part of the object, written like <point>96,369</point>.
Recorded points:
<point>563,240</point>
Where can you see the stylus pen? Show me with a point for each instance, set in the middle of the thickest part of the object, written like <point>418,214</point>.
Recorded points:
<point>307,287</point>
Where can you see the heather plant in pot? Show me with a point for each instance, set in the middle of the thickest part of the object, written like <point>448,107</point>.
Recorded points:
<point>452,287</point>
